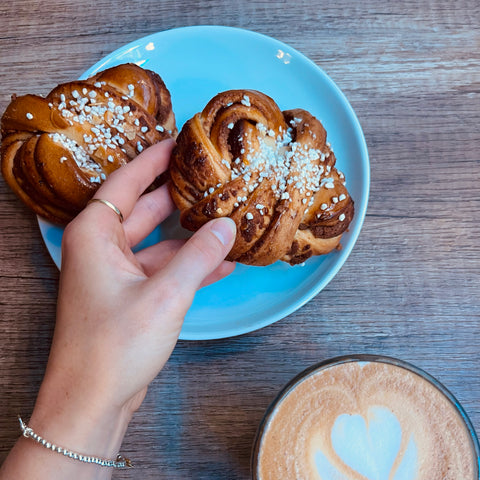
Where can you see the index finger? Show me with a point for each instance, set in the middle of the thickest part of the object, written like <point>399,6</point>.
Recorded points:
<point>125,185</point>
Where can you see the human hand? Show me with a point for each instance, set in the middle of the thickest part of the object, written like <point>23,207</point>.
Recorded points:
<point>120,313</point>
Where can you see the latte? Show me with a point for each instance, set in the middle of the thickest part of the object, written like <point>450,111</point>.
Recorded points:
<point>365,418</point>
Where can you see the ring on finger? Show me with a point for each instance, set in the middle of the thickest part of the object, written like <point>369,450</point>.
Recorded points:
<point>109,205</point>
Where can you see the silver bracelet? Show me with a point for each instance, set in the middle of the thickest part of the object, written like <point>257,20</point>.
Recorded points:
<point>120,462</point>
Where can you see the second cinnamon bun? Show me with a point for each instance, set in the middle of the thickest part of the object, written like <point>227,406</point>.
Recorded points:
<point>272,172</point>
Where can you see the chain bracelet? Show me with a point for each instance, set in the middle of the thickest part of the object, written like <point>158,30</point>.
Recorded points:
<point>119,462</point>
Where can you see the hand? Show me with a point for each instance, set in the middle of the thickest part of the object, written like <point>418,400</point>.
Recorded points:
<point>120,313</point>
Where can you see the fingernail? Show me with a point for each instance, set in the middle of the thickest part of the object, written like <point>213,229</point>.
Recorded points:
<point>224,229</point>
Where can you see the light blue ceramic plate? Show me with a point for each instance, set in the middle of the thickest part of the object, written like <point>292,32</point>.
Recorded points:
<point>198,62</point>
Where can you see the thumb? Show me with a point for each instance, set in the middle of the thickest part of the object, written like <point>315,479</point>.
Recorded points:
<point>201,254</point>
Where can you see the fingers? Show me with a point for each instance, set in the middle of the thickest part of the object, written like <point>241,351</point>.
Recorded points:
<point>125,185</point>
<point>155,258</point>
<point>150,210</point>
<point>201,255</point>
<point>222,271</point>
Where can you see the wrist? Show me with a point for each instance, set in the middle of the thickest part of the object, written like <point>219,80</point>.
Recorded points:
<point>84,424</point>
<point>63,417</point>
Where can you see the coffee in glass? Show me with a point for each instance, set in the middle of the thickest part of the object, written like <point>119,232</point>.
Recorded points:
<point>365,417</point>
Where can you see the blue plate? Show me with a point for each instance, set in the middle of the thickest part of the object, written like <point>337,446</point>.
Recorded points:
<point>196,63</point>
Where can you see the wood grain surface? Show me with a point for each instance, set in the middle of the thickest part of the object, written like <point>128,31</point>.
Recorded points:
<point>410,288</point>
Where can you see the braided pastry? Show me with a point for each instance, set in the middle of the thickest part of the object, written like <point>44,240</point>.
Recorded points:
<point>57,150</point>
<point>272,172</point>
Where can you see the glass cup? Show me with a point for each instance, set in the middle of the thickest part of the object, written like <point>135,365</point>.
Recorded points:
<point>363,417</point>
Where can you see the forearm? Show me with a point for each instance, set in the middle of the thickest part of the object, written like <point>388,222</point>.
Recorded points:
<point>91,430</point>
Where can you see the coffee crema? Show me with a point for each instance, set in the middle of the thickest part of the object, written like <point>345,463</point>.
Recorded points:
<point>365,418</point>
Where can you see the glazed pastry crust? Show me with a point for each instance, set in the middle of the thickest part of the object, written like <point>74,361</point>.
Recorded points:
<point>57,150</point>
<point>272,172</point>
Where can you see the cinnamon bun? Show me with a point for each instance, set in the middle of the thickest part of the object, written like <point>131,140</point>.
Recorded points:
<point>272,172</point>
<point>57,150</point>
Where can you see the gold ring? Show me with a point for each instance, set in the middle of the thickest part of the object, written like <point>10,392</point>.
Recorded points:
<point>109,205</point>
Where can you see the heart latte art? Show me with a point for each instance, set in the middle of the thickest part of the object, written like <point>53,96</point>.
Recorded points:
<point>371,446</point>
<point>365,421</point>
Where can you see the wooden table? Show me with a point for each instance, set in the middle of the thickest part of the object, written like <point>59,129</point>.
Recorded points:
<point>410,289</point>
